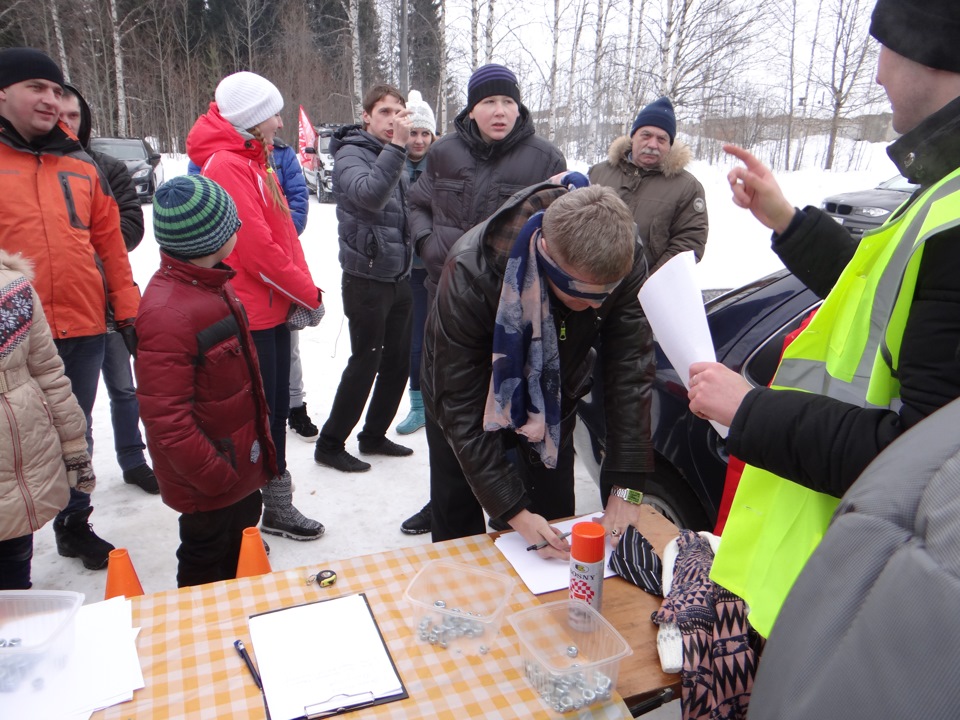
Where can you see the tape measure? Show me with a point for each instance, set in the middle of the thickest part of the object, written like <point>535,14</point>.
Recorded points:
<point>326,578</point>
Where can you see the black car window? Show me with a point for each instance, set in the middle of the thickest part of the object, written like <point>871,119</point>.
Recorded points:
<point>120,149</point>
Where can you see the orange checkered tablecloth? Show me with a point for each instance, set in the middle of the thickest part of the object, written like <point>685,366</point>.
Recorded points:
<point>192,670</point>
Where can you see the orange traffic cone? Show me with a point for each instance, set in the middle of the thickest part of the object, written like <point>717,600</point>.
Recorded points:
<point>253,556</point>
<point>121,577</point>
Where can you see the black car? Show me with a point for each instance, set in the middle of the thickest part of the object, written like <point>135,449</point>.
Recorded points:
<point>748,326</point>
<point>866,209</point>
<point>141,161</point>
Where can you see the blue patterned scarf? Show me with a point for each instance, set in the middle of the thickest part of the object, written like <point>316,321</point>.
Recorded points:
<point>524,393</point>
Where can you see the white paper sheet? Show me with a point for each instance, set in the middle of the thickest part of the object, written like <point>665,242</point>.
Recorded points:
<point>543,575</point>
<point>673,304</point>
<point>322,656</point>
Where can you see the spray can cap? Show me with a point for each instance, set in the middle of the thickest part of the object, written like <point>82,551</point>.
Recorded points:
<point>588,542</point>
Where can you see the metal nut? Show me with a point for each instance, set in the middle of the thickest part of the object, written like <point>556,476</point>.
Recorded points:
<point>572,651</point>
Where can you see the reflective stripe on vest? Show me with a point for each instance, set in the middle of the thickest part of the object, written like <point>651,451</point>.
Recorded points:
<point>850,351</point>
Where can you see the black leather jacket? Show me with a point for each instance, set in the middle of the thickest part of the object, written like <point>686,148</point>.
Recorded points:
<point>457,356</point>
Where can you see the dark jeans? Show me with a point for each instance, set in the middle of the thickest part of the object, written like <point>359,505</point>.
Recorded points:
<point>124,408</point>
<point>455,510</point>
<point>15,556</point>
<point>82,359</point>
<point>419,292</point>
<point>379,315</point>
<point>273,351</point>
<point>210,541</point>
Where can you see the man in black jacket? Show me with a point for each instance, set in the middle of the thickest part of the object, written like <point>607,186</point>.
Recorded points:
<point>117,376</point>
<point>485,450</point>
<point>376,255</point>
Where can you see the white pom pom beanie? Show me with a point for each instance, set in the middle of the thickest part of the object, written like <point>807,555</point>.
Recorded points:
<point>246,99</point>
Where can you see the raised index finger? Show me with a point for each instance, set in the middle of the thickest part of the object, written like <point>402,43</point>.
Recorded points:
<point>744,156</point>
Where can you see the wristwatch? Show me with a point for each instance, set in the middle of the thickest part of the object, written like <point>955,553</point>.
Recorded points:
<point>634,497</point>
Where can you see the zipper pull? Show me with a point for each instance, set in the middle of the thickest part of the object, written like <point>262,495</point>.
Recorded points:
<point>563,330</point>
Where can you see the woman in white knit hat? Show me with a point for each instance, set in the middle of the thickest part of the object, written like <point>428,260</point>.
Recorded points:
<point>422,134</point>
<point>231,143</point>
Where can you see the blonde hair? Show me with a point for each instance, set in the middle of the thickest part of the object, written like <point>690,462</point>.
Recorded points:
<point>592,230</point>
<point>272,182</point>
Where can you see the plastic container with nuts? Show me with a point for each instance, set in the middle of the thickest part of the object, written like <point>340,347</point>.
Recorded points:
<point>36,635</point>
<point>457,608</point>
<point>569,653</point>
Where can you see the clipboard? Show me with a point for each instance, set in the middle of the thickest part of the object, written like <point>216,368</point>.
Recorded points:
<point>323,658</point>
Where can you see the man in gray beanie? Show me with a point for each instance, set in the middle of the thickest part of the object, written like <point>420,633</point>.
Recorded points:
<point>882,355</point>
<point>647,169</point>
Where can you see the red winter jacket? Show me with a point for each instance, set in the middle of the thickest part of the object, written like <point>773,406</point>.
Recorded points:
<point>199,387</point>
<point>271,269</point>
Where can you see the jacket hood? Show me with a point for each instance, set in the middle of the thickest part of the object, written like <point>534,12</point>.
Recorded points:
<point>354,135</point>
<point>480,148</point>
<point>212,133</point>
<point>673,163</point>
<point>500,230</point>
<point>187,272</point>
<point>86,121</point>
<point>17,263</point>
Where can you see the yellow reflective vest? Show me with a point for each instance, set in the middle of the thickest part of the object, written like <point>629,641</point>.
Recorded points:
<point>850,351</point>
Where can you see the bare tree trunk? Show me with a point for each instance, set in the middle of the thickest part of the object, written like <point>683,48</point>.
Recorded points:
<point>552,129</point>
<point>597,86</point>
<point>118,69</point>
<point>352,8</point>
<point>442,89</point>
<point>488,35</point>
<point>404,60</point>
<point>58,32</point>
<point>808,101</point>
<point>474,34</point>
<point>666,51</point>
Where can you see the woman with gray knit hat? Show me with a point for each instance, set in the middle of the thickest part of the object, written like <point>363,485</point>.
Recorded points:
<point>231,143</point>
<point>470,173</point>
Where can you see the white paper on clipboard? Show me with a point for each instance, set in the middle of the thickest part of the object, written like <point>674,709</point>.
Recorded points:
<point>673,304</point>
<point>323,658</point>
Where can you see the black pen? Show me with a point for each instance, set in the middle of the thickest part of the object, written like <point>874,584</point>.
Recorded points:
<point>542,545</point>
<point>246,658</point>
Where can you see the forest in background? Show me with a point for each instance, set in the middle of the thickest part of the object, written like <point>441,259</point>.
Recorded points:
<point>770,74</point>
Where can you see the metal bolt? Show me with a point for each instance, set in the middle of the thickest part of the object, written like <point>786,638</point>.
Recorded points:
<point>572,651</point>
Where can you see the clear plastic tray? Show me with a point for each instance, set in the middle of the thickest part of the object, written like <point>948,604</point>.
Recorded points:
<point>570,654</point>
<point>37,633</point>
<point>456,607</point>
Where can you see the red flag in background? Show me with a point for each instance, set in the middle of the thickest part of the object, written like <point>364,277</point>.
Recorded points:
<point>308,137</point>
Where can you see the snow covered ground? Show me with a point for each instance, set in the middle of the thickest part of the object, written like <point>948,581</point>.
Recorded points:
<point>362,513</point>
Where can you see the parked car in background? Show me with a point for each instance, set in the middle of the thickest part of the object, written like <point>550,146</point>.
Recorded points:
<point>748,326</point>
<point>141,160</point>
<point>866,209</point>
<point>319,174</point>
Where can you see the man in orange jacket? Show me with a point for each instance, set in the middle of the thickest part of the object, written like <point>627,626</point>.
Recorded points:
<point>56,209</point>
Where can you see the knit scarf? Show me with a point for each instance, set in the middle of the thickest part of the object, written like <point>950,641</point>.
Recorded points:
<point>524,394</point>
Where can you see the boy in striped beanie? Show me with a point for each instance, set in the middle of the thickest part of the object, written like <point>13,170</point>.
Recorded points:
<point>198,382</point>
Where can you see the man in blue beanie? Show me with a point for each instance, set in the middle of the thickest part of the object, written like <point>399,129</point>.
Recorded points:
<point>646,168</point>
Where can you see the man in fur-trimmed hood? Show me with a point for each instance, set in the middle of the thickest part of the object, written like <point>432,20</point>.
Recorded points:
<point>646,168</point>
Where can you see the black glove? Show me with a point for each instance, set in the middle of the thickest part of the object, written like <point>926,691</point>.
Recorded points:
<point>129,335</point>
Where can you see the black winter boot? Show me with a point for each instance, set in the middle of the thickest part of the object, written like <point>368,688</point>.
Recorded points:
<point>302,425</point>
<point>76,538</point>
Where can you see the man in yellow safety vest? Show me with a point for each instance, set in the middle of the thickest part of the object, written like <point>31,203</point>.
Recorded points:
<point>882,352</point>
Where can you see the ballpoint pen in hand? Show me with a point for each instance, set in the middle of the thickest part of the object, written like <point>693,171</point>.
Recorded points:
<point>542,545</point>
<point>246,658</point>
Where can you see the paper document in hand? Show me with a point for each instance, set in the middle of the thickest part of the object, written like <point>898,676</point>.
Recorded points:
<point>543,575</point>
<point>322,658</point>
<point>673,303</point>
